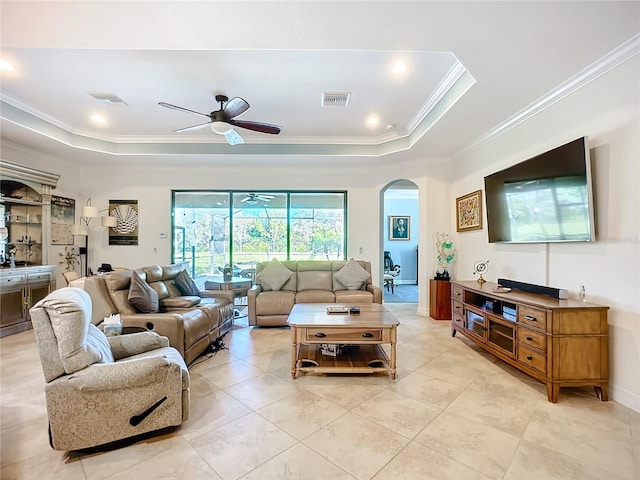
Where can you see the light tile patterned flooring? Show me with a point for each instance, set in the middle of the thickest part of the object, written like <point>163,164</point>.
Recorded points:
<point>453,412</point>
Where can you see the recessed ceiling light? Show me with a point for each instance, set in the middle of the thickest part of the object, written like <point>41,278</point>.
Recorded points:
<point>373,121</point>
<point>96,118</point>
<point>5,66</point>
<point>391,126</point>
<point>399,67</point>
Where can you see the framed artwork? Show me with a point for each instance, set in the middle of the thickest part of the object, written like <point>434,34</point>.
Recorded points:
<point>63,215</point>
<point>399,227</point>
<point>126,231</point>
<point>469,212</point>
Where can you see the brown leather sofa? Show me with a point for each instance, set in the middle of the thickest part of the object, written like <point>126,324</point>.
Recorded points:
<point>191,323</point>
<point>310,282</point>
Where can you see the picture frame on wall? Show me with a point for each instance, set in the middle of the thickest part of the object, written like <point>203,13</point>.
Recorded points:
<point>63,214</point>
<point>469,212</point>
<point>399,227</point>
<point>127,214</point>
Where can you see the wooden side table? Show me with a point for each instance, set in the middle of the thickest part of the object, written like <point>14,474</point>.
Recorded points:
<point>440,299</point>
<point>239,285</point>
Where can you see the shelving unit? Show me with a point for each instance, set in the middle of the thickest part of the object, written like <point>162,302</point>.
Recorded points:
<point>559,342</point>
<point>25,226</point>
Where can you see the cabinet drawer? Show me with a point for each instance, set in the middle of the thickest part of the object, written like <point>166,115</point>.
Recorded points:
<point>10,281</point>
<point>532,358</point>
<point>40,277</point>
<point>458,309</point>
<point>457,293</point>
<point>532,316</point>
<point>531,338</point>
<point>343,335</point>
<point>458,322</point>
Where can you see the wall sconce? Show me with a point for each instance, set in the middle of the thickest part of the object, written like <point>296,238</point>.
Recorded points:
<point>81,229</point>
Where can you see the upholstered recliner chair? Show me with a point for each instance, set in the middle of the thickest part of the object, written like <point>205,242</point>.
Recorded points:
<point>102,389</point>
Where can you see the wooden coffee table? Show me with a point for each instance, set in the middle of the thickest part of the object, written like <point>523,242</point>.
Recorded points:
<point>364,333</point>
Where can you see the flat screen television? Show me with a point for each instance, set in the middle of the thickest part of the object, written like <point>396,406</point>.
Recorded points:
<point>547,198</point>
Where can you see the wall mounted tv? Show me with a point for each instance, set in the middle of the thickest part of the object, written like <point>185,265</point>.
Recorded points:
<point>548,198</point>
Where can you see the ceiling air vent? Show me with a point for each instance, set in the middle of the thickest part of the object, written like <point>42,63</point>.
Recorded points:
<point>108,98</point>
<point>335,99</point>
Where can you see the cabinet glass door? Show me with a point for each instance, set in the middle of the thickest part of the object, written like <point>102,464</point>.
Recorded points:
<point>501,335</point>
<point>475,323</point>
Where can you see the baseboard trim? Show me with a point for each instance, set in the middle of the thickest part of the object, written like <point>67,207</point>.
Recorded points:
<point>625,397</point>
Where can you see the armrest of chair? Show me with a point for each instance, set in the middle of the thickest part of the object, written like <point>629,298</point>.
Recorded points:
<point>218,294</point>
<point>126,374</point>
<point>252,294</point>
<point>170,325</point>
<point>127,345</point>
<point>376,291</point>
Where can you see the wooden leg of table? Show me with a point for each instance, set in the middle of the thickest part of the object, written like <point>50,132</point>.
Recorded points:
<point>294,352</point>
<point>393,360</point>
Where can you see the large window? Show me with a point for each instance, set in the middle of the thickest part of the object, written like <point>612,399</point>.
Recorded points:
<point>213,230</point>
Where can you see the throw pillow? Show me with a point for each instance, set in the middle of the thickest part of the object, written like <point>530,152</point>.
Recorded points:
<point>142,295</point>
<point>186,285</point>
<point>352,275</point>
<point>274,275</point>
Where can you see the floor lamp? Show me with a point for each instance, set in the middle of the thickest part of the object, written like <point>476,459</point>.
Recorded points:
<point>81,229</point>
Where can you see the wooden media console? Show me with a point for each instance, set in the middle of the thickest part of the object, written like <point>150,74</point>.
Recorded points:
<point>562,343</point>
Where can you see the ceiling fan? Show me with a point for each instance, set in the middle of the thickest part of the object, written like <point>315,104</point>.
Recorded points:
<point>222,121</point>
<point>254,198</point>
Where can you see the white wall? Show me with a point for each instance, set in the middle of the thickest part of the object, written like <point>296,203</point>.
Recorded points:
<point>607,111</point>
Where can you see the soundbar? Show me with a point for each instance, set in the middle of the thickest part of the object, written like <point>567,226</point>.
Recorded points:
<point>531,288</point>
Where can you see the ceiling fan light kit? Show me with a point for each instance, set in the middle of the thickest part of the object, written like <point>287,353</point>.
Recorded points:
<point>222,121</point>
<point>221,128</point>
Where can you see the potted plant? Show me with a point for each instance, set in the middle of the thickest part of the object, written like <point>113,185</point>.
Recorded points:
<point>446,254</point>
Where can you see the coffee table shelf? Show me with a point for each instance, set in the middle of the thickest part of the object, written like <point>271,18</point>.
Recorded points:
<point>357,359</point>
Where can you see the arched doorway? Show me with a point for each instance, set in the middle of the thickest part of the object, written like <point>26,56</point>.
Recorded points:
<point>399,242</point>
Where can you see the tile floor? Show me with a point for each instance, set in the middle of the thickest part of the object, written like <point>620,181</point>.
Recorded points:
<point>453,412</point>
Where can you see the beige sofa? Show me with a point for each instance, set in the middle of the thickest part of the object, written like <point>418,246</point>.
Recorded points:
<point>191,323</point>
<point>309,282</point>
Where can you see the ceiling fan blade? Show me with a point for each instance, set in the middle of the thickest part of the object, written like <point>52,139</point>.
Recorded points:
<point>234,138</point>
<point>193,128</point>
<point>182,109</point>
<point>235,107</point>
<point>257,126</point>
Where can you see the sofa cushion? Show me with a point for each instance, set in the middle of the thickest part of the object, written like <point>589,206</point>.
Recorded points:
<point>275,303</point>
<point>274,275</point>
<point>186,285</point>
<point>186,301</point>
<point>142,295</point>
<point>80,343</point>
<point>354,297</point>
<point>317,280</point>
<point>316,296</point>
<point>352,275</point>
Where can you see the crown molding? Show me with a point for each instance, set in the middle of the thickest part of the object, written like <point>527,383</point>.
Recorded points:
<point>603,65</point>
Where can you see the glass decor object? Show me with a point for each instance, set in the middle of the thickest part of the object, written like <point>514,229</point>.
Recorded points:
<point>445,255</point>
